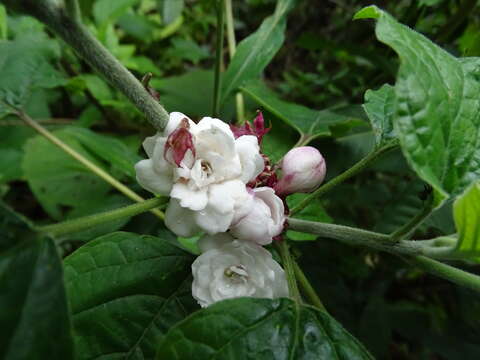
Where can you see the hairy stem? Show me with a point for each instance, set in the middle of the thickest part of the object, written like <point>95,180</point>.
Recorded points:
<point>408,228</point>
<point>288,264</point>
<point>436,248</point>
<point>232,47</point>
<point>57,17</point>
<point>87,163</point>
<point>446,272</point>
<point>218,58</point>
<point>307,288</point>
<point>86,222</point>
<point>359,166</point>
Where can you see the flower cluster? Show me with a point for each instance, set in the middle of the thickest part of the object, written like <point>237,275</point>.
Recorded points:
<point>220,184</point>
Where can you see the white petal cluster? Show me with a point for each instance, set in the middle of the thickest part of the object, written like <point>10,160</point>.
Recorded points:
<point>208,188</point>
<point>230,268</point>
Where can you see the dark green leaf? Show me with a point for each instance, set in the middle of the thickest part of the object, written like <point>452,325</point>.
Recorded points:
<point>33,307</point>
<point>12,140</point>
<point>311,123</point>
<point>248,328</point>
<point>256,51</point>
<point>380,106</point>
<point>125,292</point>
<point>437,115</point>
<point>25,65</point>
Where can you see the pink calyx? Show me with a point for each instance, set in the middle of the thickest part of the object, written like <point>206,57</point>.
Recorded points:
<point>178,143</point>
<point>258,129</point>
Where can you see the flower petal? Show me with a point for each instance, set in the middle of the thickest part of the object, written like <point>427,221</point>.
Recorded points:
<point>149,179</point>
<point>180,220</point>
<point>250,158</point>
<point>175,120</point>
<point>209,242</point>
<point>193,199</point>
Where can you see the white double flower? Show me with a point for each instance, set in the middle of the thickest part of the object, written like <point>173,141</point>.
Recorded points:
<point>230,268</point>
<point>204,170</point>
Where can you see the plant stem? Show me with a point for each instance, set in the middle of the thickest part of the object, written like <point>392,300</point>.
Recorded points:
<point>57,18</point>
<point>359,166</point>
<point>408,228</point>
<point>83,223</point>
<point>73,10</point>
<point>432,248</point>
<point>288,262</point>
<point>218,58</point>
<point>447,272</point>
<point>87,163</point>
<point>307,287</point>
<point>232,47</point>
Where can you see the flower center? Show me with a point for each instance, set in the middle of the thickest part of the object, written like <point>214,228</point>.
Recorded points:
<point>206,168</point>
<point>236,273</point>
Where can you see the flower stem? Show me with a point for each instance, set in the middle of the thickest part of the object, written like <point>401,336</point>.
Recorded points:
<point>86,222</point>
<point>218,58</point>
<point>359,166</point>
<point>435,248</point>
<point>58,18</point>
<point>447,272</point>
<point>411,225</point>
<point>87,163</point>
<point>307,288</point>
<point>288,264</point>
<point>232,47</point>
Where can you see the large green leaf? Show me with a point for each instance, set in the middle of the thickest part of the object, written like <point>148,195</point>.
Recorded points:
<point>25,65</point>
<point>437,116</point>
<point>311,123</point>
<point>248,328</point>
<point>380,106</point>
<point>125,292</point>
<point>33,306</point>
<point>256,51</point>
<point>466,210</point>
<point>12,140</point>
<point>61,183</point>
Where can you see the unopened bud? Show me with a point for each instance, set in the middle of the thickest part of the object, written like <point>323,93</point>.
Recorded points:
<point>303,170</point>
<point>178,143</point>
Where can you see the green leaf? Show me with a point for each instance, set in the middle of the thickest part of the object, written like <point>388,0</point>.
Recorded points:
<point>380,107</point>
<point>12,140</point>
<point>109,149</point>
<point>170,10</point>
<point>33,306</point>
<point>437,116</point>
<point>256,51</point>
<point>106,11</point>
<point>25,65</point>
<point>14,228</point>
<point>466,211</point>
<point>311,123</point>
<point>125,292</point>
<point>60,182</point>
<point>314,212</point>
<point>3,23</point>
<point>248,328</point>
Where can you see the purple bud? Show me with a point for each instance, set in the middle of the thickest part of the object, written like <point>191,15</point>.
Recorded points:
<point>303,170</point>
<point>257,130</point>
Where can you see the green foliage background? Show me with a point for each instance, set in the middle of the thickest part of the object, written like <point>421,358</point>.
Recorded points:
<point>314,86</point>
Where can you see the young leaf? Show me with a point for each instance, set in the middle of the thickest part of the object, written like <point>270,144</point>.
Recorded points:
<point>466,210</point>
<point>380,106</point>
<point>125,291</point>
<point>33,306</point>
<point>437,116</point>
<point>256,51</point>
<point>311,123</point>
<point>251,329</point>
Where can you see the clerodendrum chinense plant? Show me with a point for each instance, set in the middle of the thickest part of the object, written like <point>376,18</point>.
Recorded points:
<point>127,295</point>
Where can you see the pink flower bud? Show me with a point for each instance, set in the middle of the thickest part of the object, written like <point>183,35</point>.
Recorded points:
<point>303,170</point>
<point>178,143</point>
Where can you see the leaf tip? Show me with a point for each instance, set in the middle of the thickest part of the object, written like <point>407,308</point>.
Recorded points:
<point>369,12</point>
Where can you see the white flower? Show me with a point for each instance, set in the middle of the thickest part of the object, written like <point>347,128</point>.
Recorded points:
<point>303,170</point>
<point>264,221</point>
<point>204,169</point>
<point>232,268</point>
